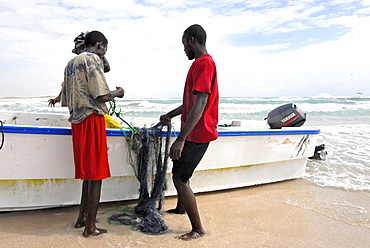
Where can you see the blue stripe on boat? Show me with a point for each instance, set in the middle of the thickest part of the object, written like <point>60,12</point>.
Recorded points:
<point>118,132</point>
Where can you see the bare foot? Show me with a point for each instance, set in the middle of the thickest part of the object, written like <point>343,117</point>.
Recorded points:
<point>81,223</point>
<point>191,235</point>
<point>95,232</point>
<point>175,211</point>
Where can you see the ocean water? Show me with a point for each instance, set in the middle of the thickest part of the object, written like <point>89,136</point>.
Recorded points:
<point>344,124</point>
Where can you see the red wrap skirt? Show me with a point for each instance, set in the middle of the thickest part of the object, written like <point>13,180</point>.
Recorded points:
<point>90,148</point>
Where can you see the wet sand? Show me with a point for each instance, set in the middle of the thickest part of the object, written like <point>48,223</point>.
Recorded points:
<point>293,213</point>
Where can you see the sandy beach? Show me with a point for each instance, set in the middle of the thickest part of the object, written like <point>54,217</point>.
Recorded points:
<point>294,213</point>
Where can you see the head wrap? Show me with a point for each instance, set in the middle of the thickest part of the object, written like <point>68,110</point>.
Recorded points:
<point>79,41</point>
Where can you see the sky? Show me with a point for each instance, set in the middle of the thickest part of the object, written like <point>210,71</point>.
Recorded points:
<point>262,48</point>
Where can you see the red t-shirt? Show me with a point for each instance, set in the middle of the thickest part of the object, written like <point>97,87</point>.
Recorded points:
<point>202,77</point>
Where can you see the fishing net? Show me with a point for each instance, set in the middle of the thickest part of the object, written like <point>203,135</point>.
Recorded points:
<point>148,155</point>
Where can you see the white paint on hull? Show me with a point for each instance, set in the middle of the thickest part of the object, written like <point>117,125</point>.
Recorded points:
<point>37,171</point>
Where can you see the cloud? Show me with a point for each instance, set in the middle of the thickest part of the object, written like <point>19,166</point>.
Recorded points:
<point>261,48</point>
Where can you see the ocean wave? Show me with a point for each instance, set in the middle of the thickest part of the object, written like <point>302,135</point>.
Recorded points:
<point>347,164</point>
<point>343,123</point>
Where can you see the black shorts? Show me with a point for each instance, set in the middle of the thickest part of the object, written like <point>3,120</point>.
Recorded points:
<point>191,155</point>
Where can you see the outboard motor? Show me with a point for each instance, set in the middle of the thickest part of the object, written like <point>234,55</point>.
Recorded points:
<point>320,153</point>
<point>287,115</point>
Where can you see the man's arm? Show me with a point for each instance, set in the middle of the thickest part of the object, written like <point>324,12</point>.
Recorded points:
<point>171,114</point>
<point>119,92</point>
<point>106,65</point>
<point>195,114</point>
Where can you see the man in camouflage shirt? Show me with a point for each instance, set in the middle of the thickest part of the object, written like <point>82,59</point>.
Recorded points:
<point>85,92</point>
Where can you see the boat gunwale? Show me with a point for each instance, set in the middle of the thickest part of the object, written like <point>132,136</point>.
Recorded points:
<point>23,129</point>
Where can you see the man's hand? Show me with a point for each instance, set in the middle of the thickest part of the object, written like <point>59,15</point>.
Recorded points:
<point>165,118</point>
<point>53,101</point>
<point>176,148</point>
<point>120,92</point>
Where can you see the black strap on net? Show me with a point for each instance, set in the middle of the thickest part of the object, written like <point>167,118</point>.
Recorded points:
<point>150,163</point>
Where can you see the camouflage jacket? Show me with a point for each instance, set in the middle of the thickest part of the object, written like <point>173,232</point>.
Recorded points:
<point>84,81</point>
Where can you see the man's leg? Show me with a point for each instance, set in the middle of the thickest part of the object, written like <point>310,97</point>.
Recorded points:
<point>83,206</point>
<point>93,198</point>
<point>189,203</point>
<point>179,207</point>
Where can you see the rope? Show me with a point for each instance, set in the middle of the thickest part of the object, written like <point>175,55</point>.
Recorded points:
<point>112,111</point>
<point>2,135</point>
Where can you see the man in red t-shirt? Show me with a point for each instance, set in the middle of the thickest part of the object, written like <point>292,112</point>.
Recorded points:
<point>199,118</point>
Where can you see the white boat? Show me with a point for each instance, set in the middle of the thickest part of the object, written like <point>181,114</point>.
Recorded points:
<point>37,170</point>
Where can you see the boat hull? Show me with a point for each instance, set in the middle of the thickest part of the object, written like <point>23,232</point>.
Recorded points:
<point>37,171</point>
